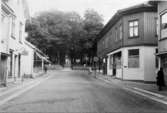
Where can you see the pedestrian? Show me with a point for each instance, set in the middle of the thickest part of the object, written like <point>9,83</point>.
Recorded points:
<point>45,69</point>
<point>160,79</point>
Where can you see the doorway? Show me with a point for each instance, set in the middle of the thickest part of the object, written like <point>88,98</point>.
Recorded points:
<point>3,69</point>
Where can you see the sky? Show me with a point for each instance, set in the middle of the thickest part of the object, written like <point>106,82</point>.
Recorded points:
<point>106,8</point>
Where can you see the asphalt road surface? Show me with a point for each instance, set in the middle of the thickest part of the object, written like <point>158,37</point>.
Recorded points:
<point>74,91</point>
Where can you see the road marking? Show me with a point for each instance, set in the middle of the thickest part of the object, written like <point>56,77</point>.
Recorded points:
<point>139,92</point>
<point>149,92</point>
<point>148,96</point>
<point>23,91</point>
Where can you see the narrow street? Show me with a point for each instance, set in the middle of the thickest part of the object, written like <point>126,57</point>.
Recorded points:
<point>74,91</point>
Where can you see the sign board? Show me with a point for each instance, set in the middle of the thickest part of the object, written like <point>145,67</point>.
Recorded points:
<point>96,59</point>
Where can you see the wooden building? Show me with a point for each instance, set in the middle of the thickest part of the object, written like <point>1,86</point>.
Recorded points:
<point>128,43</point>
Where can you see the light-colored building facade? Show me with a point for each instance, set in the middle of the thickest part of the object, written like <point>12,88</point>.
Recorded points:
<point>13,17</point>
<point>162,34</point>
<point>33,61</point>
<point>129,43</point>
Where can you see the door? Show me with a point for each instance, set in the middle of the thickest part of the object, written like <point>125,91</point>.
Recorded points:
<point>3,69</point>
<point>114,66</point>
<point>19,66</point>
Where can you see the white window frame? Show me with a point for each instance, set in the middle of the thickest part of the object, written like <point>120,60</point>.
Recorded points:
<point>133,27</point>
<point>13,28</point>
<point>132,56</point>
<point>161,29</point>
<point>121,32</point>
<point>20,32</point>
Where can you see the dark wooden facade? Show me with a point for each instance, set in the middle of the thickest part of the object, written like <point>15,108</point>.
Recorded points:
<point>146,15</point>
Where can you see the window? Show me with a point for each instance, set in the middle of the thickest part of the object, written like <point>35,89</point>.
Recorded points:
<point>20,32</point>
<point>106,42</point>
<point>164,25</point>
<point>103,44</point>
<point>164,62</point>
<point>120,32</point>
<point>156,59</point>
<point>116,35</point>
<point>156,27</point>
<point>133,58</point>
<point>133,28</point>
<point>13,31</point>
<point>117,58</point>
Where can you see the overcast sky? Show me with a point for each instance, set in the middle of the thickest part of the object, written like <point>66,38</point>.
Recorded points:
<point>106,8</point>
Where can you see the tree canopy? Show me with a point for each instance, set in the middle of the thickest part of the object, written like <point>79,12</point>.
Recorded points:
<point>59,34</point>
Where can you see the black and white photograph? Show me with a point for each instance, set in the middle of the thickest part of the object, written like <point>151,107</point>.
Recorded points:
<point>83,56</point>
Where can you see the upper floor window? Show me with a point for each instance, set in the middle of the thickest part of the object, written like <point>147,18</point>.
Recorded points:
<point>120,32</point>
<point>20,32</point>
<point>156,26</point>
<point>163,25</point>
<point>13,30</point>
<point>116,34</point>
<point>134,28</point>
<point>106,42</point>
<point>103,44</point>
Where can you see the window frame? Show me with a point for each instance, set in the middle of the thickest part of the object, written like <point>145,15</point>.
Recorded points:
<point>13,28</point>
<point>116,34</point>
<point>120,32</point>
<point>156,27</point>
<point>134,55</point>
<point>21,32</point>
<point>160,31</point>
<point>133,28</point>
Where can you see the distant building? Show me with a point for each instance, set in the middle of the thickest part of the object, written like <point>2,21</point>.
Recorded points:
<point>128,43</point>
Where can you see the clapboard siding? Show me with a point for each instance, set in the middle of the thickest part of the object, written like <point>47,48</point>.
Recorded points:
<point>150,28</point>
<point>147,33</point>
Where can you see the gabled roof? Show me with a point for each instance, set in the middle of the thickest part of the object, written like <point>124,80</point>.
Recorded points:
<point>145,7</point>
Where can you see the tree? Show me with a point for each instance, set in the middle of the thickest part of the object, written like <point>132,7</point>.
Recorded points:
<point>58,34</point>
<point>93,24</point>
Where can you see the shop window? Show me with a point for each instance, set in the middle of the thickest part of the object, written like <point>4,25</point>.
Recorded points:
<point>133,58</point>
<point>164,25</point>
<point>133,28</point>
<point>164,62</point>
<point>117,60</point>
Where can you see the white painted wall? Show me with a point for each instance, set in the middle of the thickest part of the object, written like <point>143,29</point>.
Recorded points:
<point>146,70</point>
<point>27,61</point>
<point>14,44</point>
<point>133,73</point>
<point>149,63</point>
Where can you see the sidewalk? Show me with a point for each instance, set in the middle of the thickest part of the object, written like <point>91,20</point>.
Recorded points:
<point>14,87</point>
<point>149,90</point>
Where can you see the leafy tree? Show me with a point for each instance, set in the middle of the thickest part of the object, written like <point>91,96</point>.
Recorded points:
<point>58,34</point>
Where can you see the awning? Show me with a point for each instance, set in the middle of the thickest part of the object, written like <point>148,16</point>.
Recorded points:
<point>4,54</point>
<point>161,53</point>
